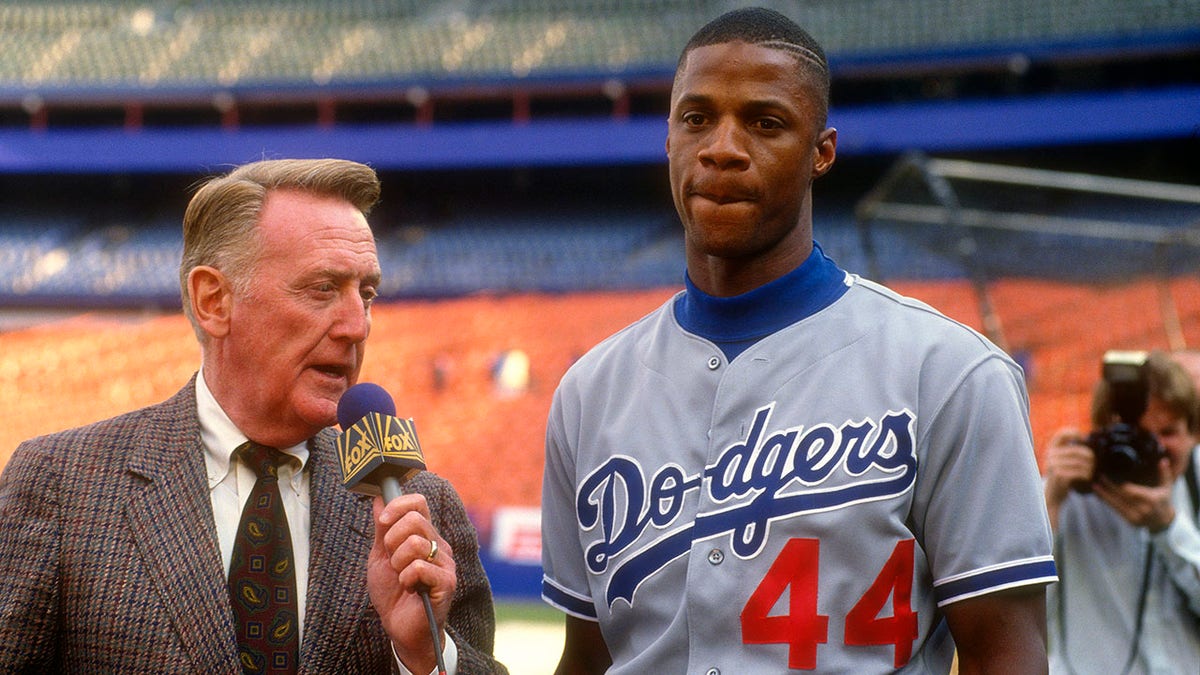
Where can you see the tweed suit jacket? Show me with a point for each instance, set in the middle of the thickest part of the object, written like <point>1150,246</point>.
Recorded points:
<point>109,560</point>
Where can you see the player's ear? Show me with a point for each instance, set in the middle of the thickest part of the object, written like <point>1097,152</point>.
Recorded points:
<point>211,298</point>
<point>825,152</point>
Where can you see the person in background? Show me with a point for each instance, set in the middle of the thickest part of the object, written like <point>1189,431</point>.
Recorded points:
<point>787,467</point>
<point>129,545</point>
<point>1190,360</point>
<point>1128,553</point>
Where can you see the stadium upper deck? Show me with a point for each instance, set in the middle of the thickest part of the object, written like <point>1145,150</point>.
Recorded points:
<point>1069,71</point>
<point>143,45</point>
<point>437,91</point>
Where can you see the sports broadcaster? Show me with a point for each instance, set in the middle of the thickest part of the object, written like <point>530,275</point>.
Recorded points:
<point>124,544</point>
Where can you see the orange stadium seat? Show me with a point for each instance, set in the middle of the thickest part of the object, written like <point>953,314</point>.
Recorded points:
<point>436,359</point>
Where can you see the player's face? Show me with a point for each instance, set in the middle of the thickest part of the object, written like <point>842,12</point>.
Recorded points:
<point>744,147</point>
<point>1172,433</point>
<point>297,338</point>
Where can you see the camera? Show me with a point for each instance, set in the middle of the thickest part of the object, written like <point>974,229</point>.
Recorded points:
<point>1125,452</point>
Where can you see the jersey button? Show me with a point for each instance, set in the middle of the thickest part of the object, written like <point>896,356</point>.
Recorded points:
<point>716,556</point>
<point>714,363</point>
<point>713,671</point>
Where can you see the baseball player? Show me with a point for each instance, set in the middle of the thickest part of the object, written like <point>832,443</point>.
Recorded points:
<point>787,467</point>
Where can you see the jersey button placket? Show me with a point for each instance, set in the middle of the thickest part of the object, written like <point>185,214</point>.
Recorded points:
<point>715,556</point>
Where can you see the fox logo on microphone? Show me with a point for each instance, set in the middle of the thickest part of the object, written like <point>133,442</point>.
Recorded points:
<point>378,439</point>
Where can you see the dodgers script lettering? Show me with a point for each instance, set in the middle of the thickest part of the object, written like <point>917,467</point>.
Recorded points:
<point>768,476</point>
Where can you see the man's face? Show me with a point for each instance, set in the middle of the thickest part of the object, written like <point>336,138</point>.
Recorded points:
<point>1172,433</point>
<point>296,339</point>
<point>743,146</point>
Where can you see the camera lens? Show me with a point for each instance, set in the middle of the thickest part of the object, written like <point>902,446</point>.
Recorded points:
<point>1126,454</point>
<point>1121,460</point>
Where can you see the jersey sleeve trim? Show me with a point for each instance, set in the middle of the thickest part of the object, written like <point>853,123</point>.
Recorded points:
<point>1040,570</point>
<point>567,601</point>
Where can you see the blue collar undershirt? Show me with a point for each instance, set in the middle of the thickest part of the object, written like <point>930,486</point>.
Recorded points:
<point>734,324</point>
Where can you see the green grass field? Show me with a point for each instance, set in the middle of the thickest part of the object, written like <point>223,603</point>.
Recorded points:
<point>532,611</point>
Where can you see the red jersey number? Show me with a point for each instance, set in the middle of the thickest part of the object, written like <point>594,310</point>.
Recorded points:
<point>803,628</point>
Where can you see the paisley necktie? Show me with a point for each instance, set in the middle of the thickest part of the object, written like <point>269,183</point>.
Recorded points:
<point>262,577</point>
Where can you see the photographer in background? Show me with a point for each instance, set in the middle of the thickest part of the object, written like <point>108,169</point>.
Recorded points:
<point>1126,539</point>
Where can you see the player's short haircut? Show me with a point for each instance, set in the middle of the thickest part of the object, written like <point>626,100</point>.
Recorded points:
<point>767,28</point>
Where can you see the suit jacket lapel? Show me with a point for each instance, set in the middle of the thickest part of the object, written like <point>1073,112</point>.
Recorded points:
<point>171,520</point>
<point>342,531</point>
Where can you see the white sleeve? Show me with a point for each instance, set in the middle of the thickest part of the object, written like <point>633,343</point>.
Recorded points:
<point>449,657</point>
<point>978,509</point>
<point>565,578</point>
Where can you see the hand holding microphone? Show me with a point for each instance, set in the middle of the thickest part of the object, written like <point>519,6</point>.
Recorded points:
<point>378,453</point>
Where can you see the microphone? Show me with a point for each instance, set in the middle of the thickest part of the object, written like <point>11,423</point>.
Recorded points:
<point>378,453</point>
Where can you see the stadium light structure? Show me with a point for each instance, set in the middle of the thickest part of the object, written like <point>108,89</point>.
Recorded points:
<point>890,201</point>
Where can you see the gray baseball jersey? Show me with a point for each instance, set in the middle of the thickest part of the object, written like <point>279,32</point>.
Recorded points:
<point>809,505</point>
